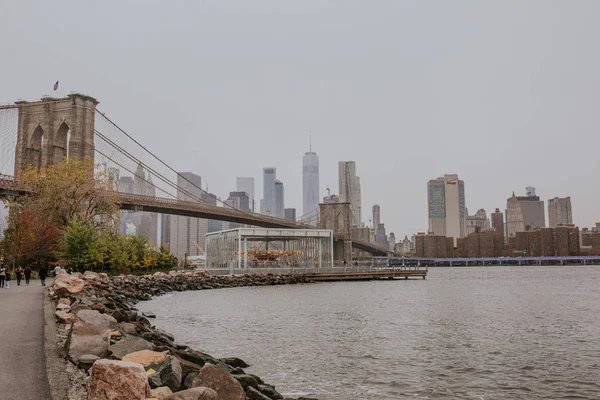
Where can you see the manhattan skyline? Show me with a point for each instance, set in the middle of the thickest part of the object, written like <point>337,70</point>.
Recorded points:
<point>502,94</point>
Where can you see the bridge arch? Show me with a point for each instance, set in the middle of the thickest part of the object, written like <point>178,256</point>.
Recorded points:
<point>35,147</point>
<point>67,130</point>
<point>62,143</point>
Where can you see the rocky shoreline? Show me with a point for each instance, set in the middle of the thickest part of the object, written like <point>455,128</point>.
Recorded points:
<point>114,352</point>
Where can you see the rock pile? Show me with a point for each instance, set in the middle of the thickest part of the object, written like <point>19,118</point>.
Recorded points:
<point>128,358</point>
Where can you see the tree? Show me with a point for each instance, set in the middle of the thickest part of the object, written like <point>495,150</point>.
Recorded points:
<point>70,189</point>
<point>79,245</point>
<point>28,239</point>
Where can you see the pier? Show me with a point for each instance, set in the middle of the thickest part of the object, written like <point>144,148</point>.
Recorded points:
<point>335,274</point>
<point>400,273</point>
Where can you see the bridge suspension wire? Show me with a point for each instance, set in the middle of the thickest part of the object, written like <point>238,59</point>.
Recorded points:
<point>131,172</point>
<point>162,162</point>
<point>150,169</point>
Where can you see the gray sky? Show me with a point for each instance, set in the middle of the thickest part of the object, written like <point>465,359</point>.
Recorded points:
<point>504,93</point>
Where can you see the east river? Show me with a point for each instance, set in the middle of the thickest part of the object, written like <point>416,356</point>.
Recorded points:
<point>464,333</point>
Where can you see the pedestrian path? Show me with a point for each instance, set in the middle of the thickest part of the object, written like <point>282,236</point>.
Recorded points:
<point>22,366</point>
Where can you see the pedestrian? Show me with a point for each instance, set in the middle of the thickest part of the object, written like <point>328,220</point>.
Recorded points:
<point>27,274</point>
<point>19,273</point>
<point>56,270</point>
<point>2,275</point>
<point>43,272</point>
<point>7,278</point>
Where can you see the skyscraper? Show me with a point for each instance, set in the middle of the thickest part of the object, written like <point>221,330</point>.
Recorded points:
<point>268,203</point>
<point>137,223</point>
<point>559,212</point>
<point>279,200</point>
<point>350,190</point>
<point>376,216</point>
<point>186,230</point>
<point>246,184</point>
<point>310,185</point>
<point>524,213</point>
<point>446,200</point>
<point>392,240</point>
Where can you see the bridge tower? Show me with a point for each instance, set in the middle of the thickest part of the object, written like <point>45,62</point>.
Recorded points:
<point>336,216</point>
<point>51,129</point>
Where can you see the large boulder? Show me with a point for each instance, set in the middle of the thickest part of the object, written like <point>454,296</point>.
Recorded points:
<point>161,393</point>
<point>124,315</point>
<point>196,357</point>
<point>86,361</point>
<point>129,344</point>
<point>118,380</point>
<point>234,362</point>
<point>90,275</point>
<point>65,285</point>
<point>90,334</point>
<point>198,393</point>
<point>217,378</point>
<point>146,357</point>
<point>64,316</point>
<point>253,394</point>
<point>168,373</point>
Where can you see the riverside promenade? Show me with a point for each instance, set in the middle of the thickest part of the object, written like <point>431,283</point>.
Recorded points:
<point>22,365</point>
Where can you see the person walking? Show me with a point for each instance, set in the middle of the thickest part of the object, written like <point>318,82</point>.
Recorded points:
<point>2,275</point>
<point>57,270</point>
<point>19,274</point>
<point>27,275</point>
<point>43,272</point>
<point>7,278</point>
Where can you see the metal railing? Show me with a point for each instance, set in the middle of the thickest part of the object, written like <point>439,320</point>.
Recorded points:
<point>308,270</point>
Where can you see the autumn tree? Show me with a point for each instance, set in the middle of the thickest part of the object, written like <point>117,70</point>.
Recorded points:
<point>67,190</point>
<point>28,239</point>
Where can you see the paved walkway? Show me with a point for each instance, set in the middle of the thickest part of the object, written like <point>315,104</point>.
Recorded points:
<point>22,367</point>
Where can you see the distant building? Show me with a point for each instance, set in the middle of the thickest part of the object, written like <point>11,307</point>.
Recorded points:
<point>480,244</point>
<point>376,216</point>
<point>239,201</point>
<point>310,186</point>
<point>137,223</point>
<point>434,246</point>
<point>246,184</point>
<point>547,242</point>
<point>279,200</point>
<point>559,212</point>
<point>349,185</point>
<point>187,232</point>
<point>381,237</point>
<point>290,213</point>
<point>524,213</point>
<point>392,241</point>
<point>498,222</point>
<point>268,201</point>
<point>446,201</point>
<point>477,223</point>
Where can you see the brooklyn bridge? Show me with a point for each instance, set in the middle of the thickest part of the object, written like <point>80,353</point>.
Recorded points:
<point>42,133</point>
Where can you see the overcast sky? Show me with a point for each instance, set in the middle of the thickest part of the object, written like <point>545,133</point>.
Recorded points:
<point>503,93</point>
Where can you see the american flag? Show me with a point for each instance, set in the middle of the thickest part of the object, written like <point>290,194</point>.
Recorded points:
<point>56,86</point>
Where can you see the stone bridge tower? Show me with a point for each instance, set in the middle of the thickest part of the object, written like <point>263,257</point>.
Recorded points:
<point>51,129</point>
<point>336,216</point>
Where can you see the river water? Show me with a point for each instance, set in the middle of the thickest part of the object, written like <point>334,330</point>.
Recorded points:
<point>464,333</point>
